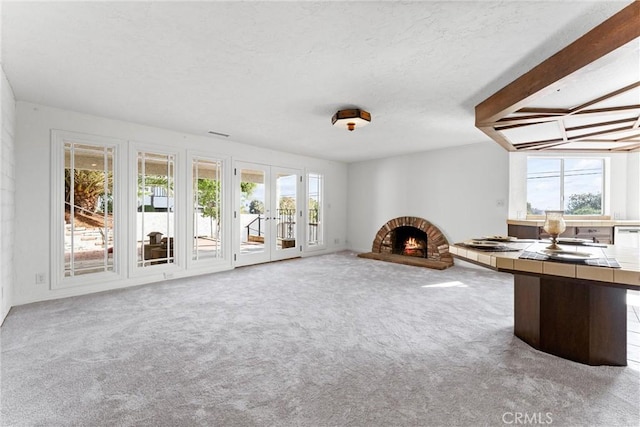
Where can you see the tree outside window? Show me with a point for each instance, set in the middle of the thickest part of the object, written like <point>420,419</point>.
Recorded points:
<point>574,185</point>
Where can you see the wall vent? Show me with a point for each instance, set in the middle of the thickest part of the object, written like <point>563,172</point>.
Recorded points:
<point>218,134</point>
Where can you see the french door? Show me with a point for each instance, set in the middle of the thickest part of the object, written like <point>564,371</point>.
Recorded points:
<point>268,213</point>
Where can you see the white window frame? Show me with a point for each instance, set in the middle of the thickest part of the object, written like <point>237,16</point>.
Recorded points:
<point>58,279</point>
<point>613,197</point>
<point>168,269</point>
<point>323,211</point>
<point>227,224</point>
<point>562,200</point>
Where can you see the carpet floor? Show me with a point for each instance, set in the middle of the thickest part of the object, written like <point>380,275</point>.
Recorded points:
<point>332,340</point>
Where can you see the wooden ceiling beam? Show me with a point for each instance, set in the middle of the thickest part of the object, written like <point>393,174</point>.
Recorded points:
<point>615,32</point>
<point>510,123</point>
<point>499,138</point>
<point>600,124</point>
<point>577,138</point>
<point>609,110</point>
<point>628,138</point>
<point>544,111</point>
<point>547,146</point>
<point>627,148</point>
<point>563,130</point>
<point>605,97</point>
<point>602,132</point>
<point>523,121</point>
<point>532,144</point>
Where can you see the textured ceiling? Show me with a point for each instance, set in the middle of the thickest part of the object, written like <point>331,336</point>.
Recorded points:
<point>271,74</point>
<point>585,98</point>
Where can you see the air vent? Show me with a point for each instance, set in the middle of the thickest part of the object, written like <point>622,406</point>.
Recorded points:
<point>218,134</point>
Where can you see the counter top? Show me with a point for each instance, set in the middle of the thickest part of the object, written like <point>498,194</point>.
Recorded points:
<point>578,222</point>
<point>628,258</point>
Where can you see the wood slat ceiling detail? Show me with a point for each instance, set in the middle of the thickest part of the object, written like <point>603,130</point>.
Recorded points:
<point>584,98</point>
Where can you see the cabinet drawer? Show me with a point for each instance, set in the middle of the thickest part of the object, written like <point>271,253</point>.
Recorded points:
<point>593,231</point>
<point>597,234</point>
<point>523,231</point>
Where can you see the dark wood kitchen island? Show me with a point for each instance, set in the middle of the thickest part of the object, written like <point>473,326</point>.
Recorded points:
<point>571,310</point>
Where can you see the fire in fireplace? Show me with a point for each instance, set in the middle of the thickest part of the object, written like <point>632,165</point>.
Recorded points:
<point>409,241</point>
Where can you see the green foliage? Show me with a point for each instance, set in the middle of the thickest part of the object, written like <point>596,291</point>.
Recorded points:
<point>314,210</point>
<point>209,197</point>
<point>287,203</point>
<point>256,207</point>
<point>153,181</point>
<point>584,204</point>
<point>88,186</point>
<point>247,189</point>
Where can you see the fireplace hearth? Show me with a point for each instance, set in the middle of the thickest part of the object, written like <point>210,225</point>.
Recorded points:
<point>412,241</point>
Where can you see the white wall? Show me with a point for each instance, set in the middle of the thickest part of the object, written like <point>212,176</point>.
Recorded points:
<point>621,170</point>
<point>458,189</point>
<point>32,151</point>
<point>633,185</point>
<point>7,192</point>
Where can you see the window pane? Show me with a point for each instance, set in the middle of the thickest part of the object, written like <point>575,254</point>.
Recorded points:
<point>88,209</point>
<point>286,193</point>
<point>155,210</point>
<point>252,210</point>
<point>314,207</point>
<point>583,186</point>
<point>207,209</point>
<point>543,185</point>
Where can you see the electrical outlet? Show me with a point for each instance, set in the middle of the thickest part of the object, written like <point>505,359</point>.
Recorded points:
<point>40,278</point>
<point>336,241</point>
<point>500,203</point>
<point>168,276</point>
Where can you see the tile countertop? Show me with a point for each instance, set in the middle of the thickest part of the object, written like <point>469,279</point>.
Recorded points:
<point>628,258</point>
<point>579,222</point>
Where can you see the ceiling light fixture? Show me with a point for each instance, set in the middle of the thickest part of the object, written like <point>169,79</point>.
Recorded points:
<point>351,118</point>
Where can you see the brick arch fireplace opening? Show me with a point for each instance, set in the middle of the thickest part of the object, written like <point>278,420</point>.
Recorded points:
<point>409,241</point>
<point>413,241</point>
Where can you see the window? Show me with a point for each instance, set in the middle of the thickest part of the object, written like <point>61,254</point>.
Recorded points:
<point>155,222</point>
<point>574,185</point>
<point>85,198</point>
<point>88,208</point>
<point>207,209</point>
<point>315,229</point>
<point>286,210</point>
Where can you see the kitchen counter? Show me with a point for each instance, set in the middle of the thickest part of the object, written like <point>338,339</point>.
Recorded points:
<point>574,311</point>
<point>627,276</point>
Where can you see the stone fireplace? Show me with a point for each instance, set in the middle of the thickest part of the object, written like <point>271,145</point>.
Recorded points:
<point>413,241</point>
